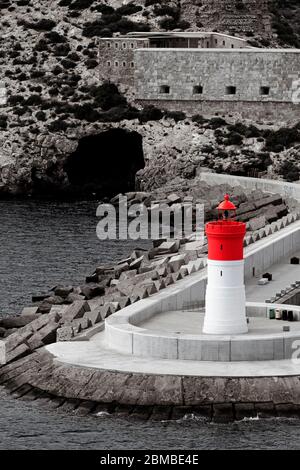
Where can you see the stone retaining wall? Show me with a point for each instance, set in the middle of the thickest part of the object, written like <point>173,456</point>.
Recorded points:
<point>40,377</point>
<point>285,189</point>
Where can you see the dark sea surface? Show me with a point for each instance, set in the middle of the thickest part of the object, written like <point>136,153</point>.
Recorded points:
<point>43,244</point>
<point>25,425</point>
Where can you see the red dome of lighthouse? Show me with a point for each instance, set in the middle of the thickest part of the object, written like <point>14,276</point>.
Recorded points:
<point>226,205</point>
<point>225,236</point>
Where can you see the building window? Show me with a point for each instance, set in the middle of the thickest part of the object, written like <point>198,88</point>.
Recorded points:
<point>207,45</point>
<point>116,45</point>
<point>198,90</point>
<point>224,43</point>
<point>216,41</point>
<point>232,46</point>
<point>124,64</point>
<point>265,90</point>
<point>124,45</point>
<point>108,64</point>
<point>132,45</point>
<point>165,89</point>
<point>230,90</point>
<point>109,44</point>
<point>132,65</point>
<point>116,64</point>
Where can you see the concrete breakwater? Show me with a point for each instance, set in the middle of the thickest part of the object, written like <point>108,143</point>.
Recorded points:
<point>77,313</point>
<point>40,378</point>
<point>143,273</point>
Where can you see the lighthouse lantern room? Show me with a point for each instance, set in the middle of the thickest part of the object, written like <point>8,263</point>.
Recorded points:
<point>225,304</point>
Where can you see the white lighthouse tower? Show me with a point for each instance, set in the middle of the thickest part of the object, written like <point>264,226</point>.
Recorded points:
<point>225,304</point>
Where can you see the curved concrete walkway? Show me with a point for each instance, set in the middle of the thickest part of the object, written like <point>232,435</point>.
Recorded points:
<point>95,354</point>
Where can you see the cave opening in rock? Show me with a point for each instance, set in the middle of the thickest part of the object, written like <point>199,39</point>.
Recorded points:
<point>105,164</point>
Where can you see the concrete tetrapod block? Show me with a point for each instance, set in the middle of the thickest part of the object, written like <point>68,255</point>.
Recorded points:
<point>169,280</point>
<point>124,302</point>
<point>168,247</point>
<point>128,274</point>
<point>160,262</point>
<point>191,267</point>
<point>94,316</point>
<point>19,351</point>
<point>76,310</point>
<point>45,335</point>
<point>163,272</point>
<point>257,223</point>
<point>198,264</point>
<point>176,262</point>
<point>183,271</point>
<point>285,221</point>
<point>255,237</point>
<point>65,333</point>
<point>280,224</point>
<point>296,215</point>
<point>193,246</point>
<point>262,233</point>
<point>18,338</point>
<point>274,227</point>
<point>29,311</point>
<point>151,288</point>
<point>247,240</point>
<point>268,230</point>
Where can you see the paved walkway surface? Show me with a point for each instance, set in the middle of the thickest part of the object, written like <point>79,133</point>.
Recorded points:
<point>95,354</point>
<point>191,323</point>
<point>284,274</point>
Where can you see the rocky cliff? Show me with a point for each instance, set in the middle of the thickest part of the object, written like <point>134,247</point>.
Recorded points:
<point>51,97</point>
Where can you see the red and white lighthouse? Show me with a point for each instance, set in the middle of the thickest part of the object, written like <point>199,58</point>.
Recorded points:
<point>225,304</point>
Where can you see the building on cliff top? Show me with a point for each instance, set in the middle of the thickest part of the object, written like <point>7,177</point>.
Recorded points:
<point>204,73</point>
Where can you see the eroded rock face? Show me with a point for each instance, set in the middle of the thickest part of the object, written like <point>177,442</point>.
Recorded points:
<point>227,16</point>
<point>105,163</point>
<point>49,96</point>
